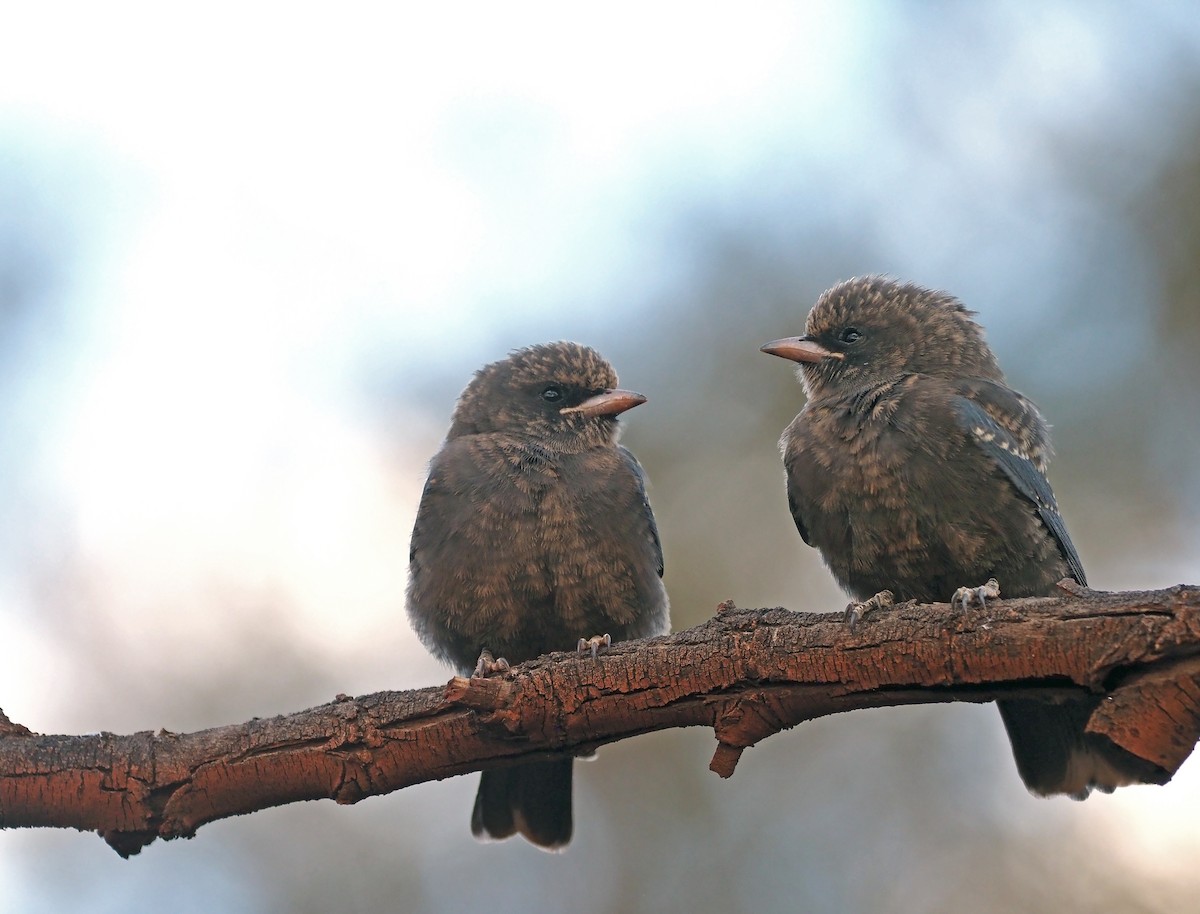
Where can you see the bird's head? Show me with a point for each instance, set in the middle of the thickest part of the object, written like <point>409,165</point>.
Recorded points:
<point>562,394</point>
<point>871,330</point>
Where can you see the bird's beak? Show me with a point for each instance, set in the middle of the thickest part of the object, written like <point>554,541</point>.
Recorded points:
<point>800,349</point>
<point>608,403</point>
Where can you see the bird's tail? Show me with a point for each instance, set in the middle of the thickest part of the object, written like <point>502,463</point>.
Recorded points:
<point>533,799</point>
<point>1055,754</point>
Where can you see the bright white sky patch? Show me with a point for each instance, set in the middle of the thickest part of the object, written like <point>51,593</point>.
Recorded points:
<point>284,188</point>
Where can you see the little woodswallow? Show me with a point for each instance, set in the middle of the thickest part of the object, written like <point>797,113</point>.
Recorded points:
<point>914,468</point>
<point>533,531</point>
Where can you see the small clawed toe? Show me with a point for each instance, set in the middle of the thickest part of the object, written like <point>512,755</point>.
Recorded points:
<point>595,644</point>
<point>964,597</point>
<point>487,665</point>
<point>856,612</point>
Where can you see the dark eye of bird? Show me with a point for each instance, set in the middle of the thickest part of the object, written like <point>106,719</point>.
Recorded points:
<point>552,394</point>
<point>849,335</point>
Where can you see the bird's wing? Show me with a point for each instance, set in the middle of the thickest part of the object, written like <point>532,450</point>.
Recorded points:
<point>647,515</point>
<point>470,489</point>
<point>795,509</point>
<point>805,478</point>
<point>476,568</point>
<point>1007,428</point>
<point>797,516</point>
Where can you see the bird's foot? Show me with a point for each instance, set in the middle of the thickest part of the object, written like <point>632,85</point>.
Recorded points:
<point>856,612</point>
<point>595,644</point>
<point>965,596</point>
<point>487,665</point>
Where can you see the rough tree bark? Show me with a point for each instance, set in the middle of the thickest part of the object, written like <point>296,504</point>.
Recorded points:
<point>745,673</point>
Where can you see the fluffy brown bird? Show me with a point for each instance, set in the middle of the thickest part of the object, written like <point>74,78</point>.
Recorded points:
<point>915,469</point>
<point>534,531</point>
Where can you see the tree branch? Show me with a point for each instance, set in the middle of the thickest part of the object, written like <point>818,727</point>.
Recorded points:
<point>745,673</point>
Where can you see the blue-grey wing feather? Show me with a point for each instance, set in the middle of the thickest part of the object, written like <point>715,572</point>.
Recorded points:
<point>1024,473</point>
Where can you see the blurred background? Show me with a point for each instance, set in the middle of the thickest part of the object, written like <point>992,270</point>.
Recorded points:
<point>250,254</point>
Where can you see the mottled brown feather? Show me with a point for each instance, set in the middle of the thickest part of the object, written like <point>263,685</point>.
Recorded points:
<point>533,531</point>
<point>914,468</point>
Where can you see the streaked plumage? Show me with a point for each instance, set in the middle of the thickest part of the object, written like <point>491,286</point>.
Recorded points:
<point>534,530</point>
<point>914,468</point>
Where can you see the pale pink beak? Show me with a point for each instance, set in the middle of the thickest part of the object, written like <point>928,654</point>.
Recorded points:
<point>800,349</point>
<point>608,403</point>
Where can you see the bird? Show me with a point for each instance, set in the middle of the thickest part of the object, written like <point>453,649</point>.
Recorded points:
<point>533,534</point>
<point>919,474</point>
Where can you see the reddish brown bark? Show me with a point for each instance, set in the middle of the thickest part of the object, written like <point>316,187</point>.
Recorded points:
<point>745,673</point>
